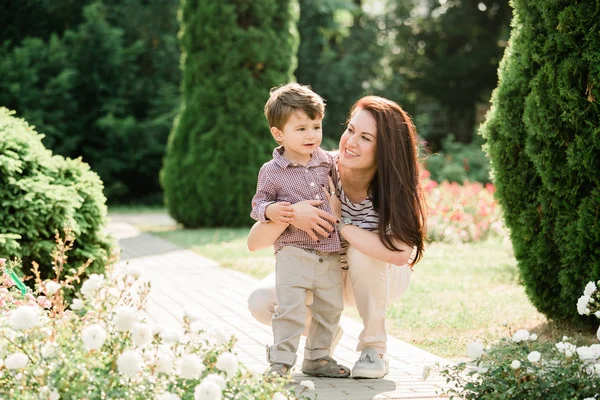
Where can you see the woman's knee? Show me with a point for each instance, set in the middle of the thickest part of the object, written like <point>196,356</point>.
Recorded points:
<point>261,304</point>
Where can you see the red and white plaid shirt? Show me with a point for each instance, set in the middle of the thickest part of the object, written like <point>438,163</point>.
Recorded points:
<point>282,180</point>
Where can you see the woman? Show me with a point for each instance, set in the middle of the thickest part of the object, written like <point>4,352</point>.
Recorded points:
<point>379,215</point>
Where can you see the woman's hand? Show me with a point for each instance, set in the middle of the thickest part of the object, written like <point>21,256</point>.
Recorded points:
<point>334,201</point>
<point>313,220</point>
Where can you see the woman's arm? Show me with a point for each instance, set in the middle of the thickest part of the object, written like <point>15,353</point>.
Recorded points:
<point>369,243</point>
<point>263,235</point>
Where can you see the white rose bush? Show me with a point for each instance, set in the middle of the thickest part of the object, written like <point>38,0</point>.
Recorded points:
<point>523,367</point>
<point>97,344</point>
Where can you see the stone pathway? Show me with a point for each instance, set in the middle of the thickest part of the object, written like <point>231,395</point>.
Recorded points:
<point>183,279</point>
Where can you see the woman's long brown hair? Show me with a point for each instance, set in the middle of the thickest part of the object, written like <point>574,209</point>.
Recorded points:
<point>395,189</point>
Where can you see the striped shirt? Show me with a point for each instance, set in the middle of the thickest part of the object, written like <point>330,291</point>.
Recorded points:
<point>282,180</point>
<point>361,214</point>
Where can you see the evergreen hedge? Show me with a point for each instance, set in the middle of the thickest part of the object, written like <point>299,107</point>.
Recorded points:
<point>543,138</point>
<point>233,53</point>
<point>41,194</point>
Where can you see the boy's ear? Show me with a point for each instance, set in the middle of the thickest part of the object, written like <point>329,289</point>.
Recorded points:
<point>277,134</point>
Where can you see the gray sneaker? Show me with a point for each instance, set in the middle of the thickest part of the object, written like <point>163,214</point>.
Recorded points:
<point>370,365</point>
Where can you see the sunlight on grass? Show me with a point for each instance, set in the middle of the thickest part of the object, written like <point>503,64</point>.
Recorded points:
<point>458,293</point>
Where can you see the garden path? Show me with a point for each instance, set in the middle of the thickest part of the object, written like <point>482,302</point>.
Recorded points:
<point>181,278</point>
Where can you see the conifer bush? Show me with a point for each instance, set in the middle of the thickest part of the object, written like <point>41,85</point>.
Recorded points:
<point>543,138</point>
<point>233,53</point>
<point>41,194</point>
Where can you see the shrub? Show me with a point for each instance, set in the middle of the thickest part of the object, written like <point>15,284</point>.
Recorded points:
<point>101,347</point>
<point>523,367</point>
<point>41,194</point>
<point>233,52</point>
<point>543,140</point>
<point>458,162</point>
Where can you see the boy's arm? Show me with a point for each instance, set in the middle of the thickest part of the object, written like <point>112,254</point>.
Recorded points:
<point>266,194</point>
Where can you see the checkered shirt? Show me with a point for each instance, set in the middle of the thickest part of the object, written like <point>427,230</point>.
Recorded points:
<point>281,180</point>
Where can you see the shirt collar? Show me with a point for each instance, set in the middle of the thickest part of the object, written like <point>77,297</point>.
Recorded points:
<point>318,157</point>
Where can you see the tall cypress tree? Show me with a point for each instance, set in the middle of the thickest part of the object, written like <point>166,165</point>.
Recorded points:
<point>543,138</point>
<point>233,52</point>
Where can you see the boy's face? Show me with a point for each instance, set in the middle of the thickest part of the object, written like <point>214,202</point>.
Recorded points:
<point>300,136</point>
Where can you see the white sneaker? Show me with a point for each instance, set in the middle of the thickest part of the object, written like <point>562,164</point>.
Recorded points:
<point>336,339</point>
<point>370,365</point>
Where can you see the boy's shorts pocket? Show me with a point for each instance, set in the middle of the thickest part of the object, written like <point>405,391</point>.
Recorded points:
<point>335,273</point>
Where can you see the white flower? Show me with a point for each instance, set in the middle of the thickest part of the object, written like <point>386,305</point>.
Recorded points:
<point>169,336</point>
<point>589,398</point>
<point>48,394</point>
<point>565,338</point>
<point>533,337</point>
<point>425,372</point>
<point>91,286</point>
<point>134,271</point>
<point>168,396</point>
<point>516,364</point>
<point>597,314</point>
<point>190,315</point>
<point>16,361</point>
<point>310,385</point>
<point>522,335</point>
<point>52,287</point>
<point>228,362</point>
<point>207,390</point>
<point>598,333</point>
<point>597,369</point>
<point>77,304</point>
<point>475,350</point>
<point>23,318</point>
<point>125,318</point>
<point>129,363</point>
<point>534,356</point>
<point>220,335</point>
<point>586,353</point>
<point>93,337</point>
<point>38,372</point>
<point>279,396</point>
<point>163,363</point>
<point>141,334</point>
<point>582,304</point>
<point>49,350</point>
<point>568,349</point>
<point>589,289</point>
<point>190,367</point>
<point>218,379</point>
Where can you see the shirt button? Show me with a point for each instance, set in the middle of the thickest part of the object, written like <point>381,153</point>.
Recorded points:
<point>321,260</point>
<point>312,184</point>
<point>317,197</point>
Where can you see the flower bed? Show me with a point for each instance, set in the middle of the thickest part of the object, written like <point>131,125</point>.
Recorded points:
<point>522,367</point>
<point>461,213</point>
<point>101,347</point>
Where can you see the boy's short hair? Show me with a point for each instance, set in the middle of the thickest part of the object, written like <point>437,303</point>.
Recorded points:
<point>289,98</point>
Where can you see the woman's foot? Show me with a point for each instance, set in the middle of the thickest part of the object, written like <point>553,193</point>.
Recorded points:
<point>325,367</point>
<point>371,365</point>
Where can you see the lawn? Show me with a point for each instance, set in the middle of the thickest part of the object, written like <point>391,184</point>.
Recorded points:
<point>459,292</point>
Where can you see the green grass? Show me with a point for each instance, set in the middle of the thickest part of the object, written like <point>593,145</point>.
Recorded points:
<point>458,293</point>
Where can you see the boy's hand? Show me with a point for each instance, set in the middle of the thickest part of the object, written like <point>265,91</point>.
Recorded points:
<point>281,212</point>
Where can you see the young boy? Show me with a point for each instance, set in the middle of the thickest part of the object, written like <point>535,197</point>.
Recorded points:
<point>299,171</point>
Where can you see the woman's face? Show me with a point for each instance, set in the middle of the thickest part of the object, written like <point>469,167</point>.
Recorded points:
<point>358,144</point>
